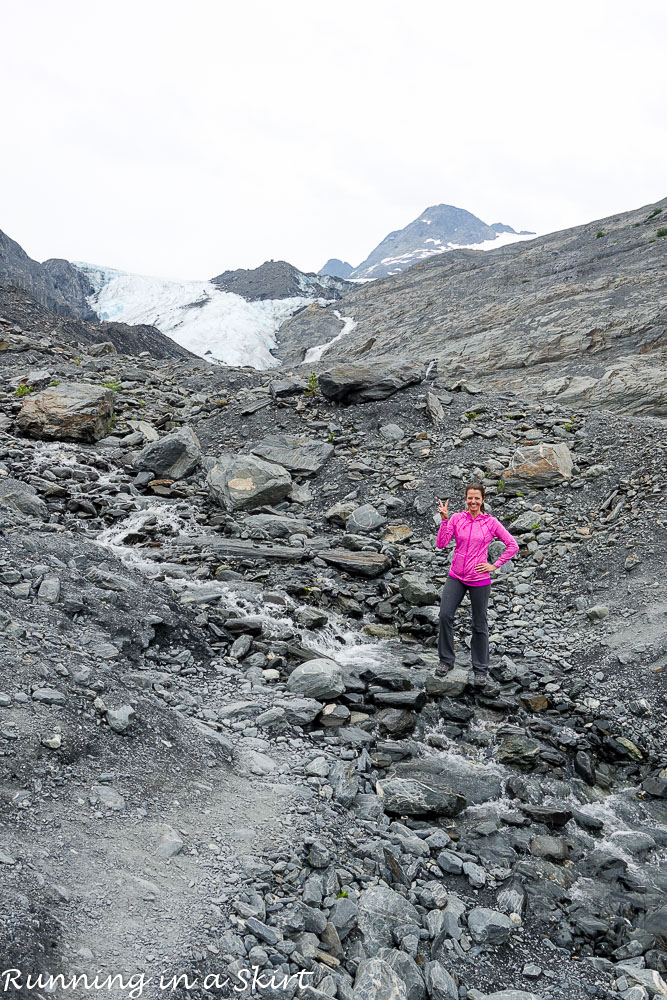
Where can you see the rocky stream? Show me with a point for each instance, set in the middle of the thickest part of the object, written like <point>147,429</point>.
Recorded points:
<point>224,745</point>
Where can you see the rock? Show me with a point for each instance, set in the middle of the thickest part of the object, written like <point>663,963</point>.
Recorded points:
<point>418,787</point>
<point>339,513</point>
<point>49,590</point>
<point>381,911</point>
<point>276,526</point>
<point>334,715</point>
<point>651,980</point>
<point>21,497</point>
<point>344,780</point>
<point>48,696</point>
<point>245,482</point>
<point>359,383</point>
<point>321,679</point>
<point>107,796</point>
<point>441,985</point>
<point>538,466</point>
<point>343,915</point>
<point>519,751</point>
<point>552,848</point>
<point>171,844</point>
<point>121,719</point>
<point>392,432</point>
<point>173,456</point>
<point>364,519</point>
<point>262,930</point>
<point>510,995</point>
<point>376,980</point>
<point>280,388</point>
<point>368,564</point>
<point>434,407</point>
<point>299,711</point>
<point>297,454</point>
<point>449,685</point>
<point>416,588</point>
<point>406,969</point>
<point>489,926</point>
<point>69,411</point>
<point>597,612</point>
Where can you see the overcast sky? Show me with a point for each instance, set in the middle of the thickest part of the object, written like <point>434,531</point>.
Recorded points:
<point>183,139</point>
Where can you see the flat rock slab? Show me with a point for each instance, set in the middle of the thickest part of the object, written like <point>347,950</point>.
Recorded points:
<point>240,548</point>
<point>354,383</point>
<point>21,497</point>
<point>70,411</point>
<point>297,454</point>
<point>416,788</point>
<point>367,564</point>
<point>321,679</point>
<point>245,482</point>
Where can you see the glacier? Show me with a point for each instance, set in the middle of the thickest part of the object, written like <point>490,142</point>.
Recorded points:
<point>218,326</point>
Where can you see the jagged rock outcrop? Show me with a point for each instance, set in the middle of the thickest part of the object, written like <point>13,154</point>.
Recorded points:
<point>56,284</point>
<point>276,279</point>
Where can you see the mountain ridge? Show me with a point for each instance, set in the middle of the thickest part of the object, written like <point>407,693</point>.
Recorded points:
<point>439,229</point>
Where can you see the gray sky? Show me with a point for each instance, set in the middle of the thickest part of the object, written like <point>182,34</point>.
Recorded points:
<point>184,139</point>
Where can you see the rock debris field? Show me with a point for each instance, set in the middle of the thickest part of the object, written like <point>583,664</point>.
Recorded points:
<point>223,742</point>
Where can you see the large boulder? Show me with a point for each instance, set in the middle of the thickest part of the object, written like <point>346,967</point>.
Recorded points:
<point>415,788</point>
<point>367,564</point>
<point>358,383</point>
<point>298,454</point>
<point>173,456</point>
<point>245,482</point>
<point>539,465</point>
<point>364,519</point>
<point>321,679</point>
<point>22,498</point>
<point>381,911</point>
<point>70,411</point>
<point>276,526</point>
<point>376,980</point>
<point>416,588</point>
<point>489,926</point>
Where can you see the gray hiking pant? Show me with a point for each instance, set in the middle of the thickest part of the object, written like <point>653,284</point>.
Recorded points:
<point>452,594</point>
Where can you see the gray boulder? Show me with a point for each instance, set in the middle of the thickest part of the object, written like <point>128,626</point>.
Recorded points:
<point>364,519</point>
<point>441,985</point>
<point>299,711</point>
<point>416,588</point>
<point>418,787</point>
<point>537,466</point>
<point>22,498</point>
<point>368,564</point>
<point>381,911</point>
<point>489,926</point>
<point>173,456</point>
<point>406,969</point>
<point>276,526</point>
<point>121,719</point>
<point>392,432</point>
<point>376,980</point>
<point>245,482</point>
<point>70,411</point>
<point>297,454</point>
<point>321,679</point>
<point>358,383</point>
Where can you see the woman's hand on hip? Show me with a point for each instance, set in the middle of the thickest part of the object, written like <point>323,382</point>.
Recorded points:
<point>443,509</point>
<point>485,567</point>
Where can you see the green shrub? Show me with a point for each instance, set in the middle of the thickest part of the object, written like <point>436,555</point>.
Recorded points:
<point>112,383</point>
<point>662,232</point>
<point>600,233</point>
<point>312,386</point>
<point>22,390</point>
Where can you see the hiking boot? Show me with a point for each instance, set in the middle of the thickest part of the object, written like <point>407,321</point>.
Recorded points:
<point>443,668</point>
<point>478,678</point>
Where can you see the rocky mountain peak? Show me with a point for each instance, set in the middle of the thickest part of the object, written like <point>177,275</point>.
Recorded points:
<point>56,284</point>
<point>276,279</point>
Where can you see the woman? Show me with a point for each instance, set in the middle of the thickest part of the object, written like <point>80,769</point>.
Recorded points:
<point>473,531</point>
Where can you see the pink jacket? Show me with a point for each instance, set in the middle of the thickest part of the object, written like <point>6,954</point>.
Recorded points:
<point>473,536</point>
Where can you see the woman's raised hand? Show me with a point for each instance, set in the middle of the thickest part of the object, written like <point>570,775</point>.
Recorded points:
<point>443,509</point>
